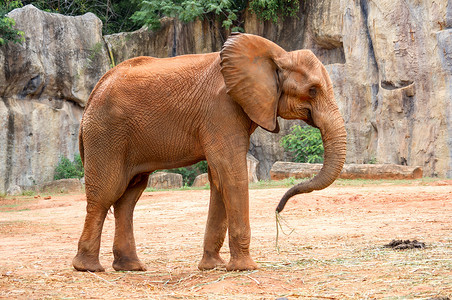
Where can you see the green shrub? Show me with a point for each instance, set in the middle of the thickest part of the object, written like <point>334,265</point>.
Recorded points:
<point>7,31</point>
<point>69,169</point>
<point>228,12</point>
<point>189,173</point>
<point>275,10</point>
<point>372,161</point>
<point>115,15</point>
<point>28,193</point>
<point>152,11</point>
<point>305,144</point>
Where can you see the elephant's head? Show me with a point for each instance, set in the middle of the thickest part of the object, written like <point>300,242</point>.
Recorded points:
<point>268,82</point>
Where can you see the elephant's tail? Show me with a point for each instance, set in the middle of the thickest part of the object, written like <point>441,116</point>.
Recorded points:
<point>80,143</point>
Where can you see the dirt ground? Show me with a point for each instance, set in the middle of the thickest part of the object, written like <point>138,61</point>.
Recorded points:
<point>335,250</point>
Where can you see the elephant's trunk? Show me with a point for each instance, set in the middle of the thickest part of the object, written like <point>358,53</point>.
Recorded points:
<point>334,142</point>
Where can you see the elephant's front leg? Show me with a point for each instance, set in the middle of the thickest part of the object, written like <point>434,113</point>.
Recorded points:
<point>230,177</point>
<point>215,230</point>
<point>239,232</point>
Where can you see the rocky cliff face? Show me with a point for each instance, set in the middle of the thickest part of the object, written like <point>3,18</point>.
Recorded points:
<point>44,84</point>
<point>390,62</point>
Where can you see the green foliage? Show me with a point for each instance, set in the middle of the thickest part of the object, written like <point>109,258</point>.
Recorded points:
<point>372,161</point>
<point>189,173</point>
<point>115,14</point>
<point>150,12</point>
<point>28,193</point>
<point>7,31</point>
<point>69,169</point>
<point>305,143</point>
<point>275,9</point>
<point>228,12</point>
<point>129,15</point>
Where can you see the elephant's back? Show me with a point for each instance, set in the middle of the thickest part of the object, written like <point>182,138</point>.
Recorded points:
<point>142,89</point>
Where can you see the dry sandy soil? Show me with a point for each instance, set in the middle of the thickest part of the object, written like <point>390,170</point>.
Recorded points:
<point>335,250</point>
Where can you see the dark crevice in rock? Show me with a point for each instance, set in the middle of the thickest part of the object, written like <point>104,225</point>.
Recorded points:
<point>34,87</point>
<point>74,100</point>
<point>174,48</point>
<point>389,85</point>
<point>364,5</point>
<point>408,106</point>
<point>110,55</point>
<point>375,89</point>
<point>330,56</point>
<point>9,144</point>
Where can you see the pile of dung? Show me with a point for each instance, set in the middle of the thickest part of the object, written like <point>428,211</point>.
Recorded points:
<point>405,244</point>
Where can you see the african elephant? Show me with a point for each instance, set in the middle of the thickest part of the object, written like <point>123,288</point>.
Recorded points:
<point>148,114</point>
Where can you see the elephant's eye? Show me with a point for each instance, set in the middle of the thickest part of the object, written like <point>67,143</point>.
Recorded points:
<point>313,92</point>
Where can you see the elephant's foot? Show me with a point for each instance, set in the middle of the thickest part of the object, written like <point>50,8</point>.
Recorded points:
<point>128,264</point>
<point>87,263</point>
<point>241,264</point>
<point>209,262</point>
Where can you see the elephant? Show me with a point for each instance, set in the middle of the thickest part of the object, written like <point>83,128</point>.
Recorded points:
<point>149,113</point>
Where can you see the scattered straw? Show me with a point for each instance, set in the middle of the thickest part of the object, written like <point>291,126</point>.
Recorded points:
<point>103,279</point>
<point>254,279</point>
<point>223,277</point>
<point>280,221</point>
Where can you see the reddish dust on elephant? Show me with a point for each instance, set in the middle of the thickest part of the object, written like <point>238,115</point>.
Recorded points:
<point>148,114</point>
<point>336,250</point>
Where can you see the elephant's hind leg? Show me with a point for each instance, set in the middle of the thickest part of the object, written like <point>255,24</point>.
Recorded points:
<point>101,193</point>
<point>216,228</point>
<point>87,258</point>
<point>124,249</point>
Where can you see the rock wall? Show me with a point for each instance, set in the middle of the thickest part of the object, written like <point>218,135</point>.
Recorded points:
<point>394,84</point>
<point>44,84</point>
<point>390,62</point>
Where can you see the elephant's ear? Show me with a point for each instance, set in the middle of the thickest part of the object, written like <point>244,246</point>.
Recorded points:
<point>250,73</point>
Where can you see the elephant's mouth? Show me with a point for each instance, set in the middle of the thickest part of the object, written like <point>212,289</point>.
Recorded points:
<point>309,119</point>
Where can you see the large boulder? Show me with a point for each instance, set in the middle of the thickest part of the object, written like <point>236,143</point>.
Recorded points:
<point>70,185</point>
<point>282,170</point>
<point>252,163</point>
<point>164,180</point>
<point>201,180</point>
<point>61,59</point>
<point>14,190</point>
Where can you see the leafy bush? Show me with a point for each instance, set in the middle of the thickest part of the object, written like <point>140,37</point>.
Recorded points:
<point>152,11</point>
<point>305,143</point>
<point>69,169</point>
<point>128,15</point>
<point>229,12</point>
<point>7,31</point>
<point>275,9</point>
<point>115,14</point>
<point>189,173</point>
